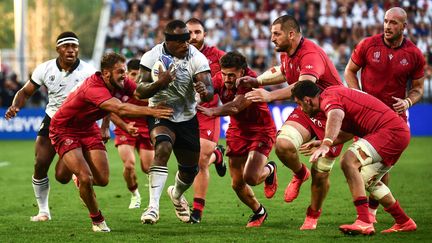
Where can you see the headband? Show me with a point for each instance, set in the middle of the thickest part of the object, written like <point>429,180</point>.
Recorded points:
<point>67,40</point>
<point>177,37</point>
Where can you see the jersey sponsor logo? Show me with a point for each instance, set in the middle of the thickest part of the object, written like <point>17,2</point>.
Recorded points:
<point>316,122</point>
<point>156,121</point>
<point>209,132</point>
<point>404,62</point>
<point>308,66</point>
<point>51,78</point>
<point>390,56</point>
<point>376,56</point>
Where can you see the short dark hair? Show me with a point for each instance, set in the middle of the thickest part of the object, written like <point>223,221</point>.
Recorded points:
<point>133,64</point>
<point>110,59</point>
<point>305,88</point>
<point>288,23</point>
<point>233,59</point>
<point>174,24</point>
<point>196,21</point>
<point>67,34</point>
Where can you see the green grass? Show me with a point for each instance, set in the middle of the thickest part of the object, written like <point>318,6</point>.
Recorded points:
<point>225,216</point>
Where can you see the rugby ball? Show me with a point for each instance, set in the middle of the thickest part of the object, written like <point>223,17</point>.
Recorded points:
<point>164,62</point>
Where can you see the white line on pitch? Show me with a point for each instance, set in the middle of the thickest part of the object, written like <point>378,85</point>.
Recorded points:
<point>4,163</point>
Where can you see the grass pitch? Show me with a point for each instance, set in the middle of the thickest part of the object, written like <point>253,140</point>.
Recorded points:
<point>224,217</point>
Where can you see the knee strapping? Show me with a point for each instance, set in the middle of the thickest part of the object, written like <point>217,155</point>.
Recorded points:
<point>323,164</point>
<point>162,138</point>
<point>290,133</point>
<point>379,190</point>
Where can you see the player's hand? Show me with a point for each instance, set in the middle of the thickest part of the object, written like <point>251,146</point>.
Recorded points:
<point>166,77</point>
<point>310,147</point>
<point>131,129</point>
<point>320,152</point>
<point>206,111</point>
<point>11,112</point>
<point>247,81</point>
<point>105,132</point>
<point>258,95</point>
<point>401,105</point>
<point>201,89</point>
<point>161,111</point>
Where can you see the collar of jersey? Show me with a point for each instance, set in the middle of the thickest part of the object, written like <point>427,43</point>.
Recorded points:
<point>74,66</point>
<point>298,47</point>
<point>400,46</point>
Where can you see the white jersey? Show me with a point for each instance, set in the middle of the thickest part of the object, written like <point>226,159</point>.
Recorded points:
<point>180,94</point>
<point>59,82</point>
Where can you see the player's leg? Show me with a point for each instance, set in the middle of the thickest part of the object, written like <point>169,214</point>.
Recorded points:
<point>289,139</point>
<point>127,155</point>
<point>163,139</point>
<point>44,154</point>
<point>255,169</point>
<point>146,156</point>
<point>202,179</point>
<point>319,188</point>
<point>244,191</point>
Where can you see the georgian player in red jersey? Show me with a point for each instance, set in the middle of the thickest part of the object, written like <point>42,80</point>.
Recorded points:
<point>76,136</point>
<point>250,135</point>
<point>383,137</point>
<point>389,65</point>
<point>131,134</point>
<point>209,126</point>
<point>301,60</point>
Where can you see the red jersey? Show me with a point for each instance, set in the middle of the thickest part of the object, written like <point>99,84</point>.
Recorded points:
<point>309,59</point>
<point>80,111</point>
<point>385,72</point>
<point>364,114</point>
<point>256,117</point>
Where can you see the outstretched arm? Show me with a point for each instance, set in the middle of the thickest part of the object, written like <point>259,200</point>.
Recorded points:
<point>114,105</point>
<point>204,86</point>
<point>20,99</point>
<point>233,107</point>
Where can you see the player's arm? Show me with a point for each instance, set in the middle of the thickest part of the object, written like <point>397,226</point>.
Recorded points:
<point>21,98</point>
<point>414,95</point>
<point>350,75</point>
<point>204,86</point>
<point>272,76</point>
<point>233,107</point>
<point>333,126</point>
<point>147,88</point>
<point>114,105</point>
<point>128,127</point>
<point>105,129</point>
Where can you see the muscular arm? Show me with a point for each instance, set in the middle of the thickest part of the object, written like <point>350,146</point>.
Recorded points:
<point>147,88</point>
<point>334,123</point>
<point>233,107</point>
<point>118,121</point>
<point>204,86</point>
<point>416,91</point>
<point>350,75</point>
<point>20,99</point>
<point>114,105</point>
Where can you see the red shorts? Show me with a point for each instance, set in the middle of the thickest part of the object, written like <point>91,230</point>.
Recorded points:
<point>390,141</point>
<point>64,141</point>
<point>142,141</point>
<point>315,126</point>
<point>241,143</point>
<point>209,127</point>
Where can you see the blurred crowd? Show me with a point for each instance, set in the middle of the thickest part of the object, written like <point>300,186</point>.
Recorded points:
<point>336,25</point>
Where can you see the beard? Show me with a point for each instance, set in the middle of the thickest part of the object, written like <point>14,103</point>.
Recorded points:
<point>115,84</point>
<point>197,44</point>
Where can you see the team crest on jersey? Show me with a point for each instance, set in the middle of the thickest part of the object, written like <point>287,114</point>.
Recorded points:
<point>123,138</point>
<point>376,56</point>
<point>51,78</point>
<point>404,62</point>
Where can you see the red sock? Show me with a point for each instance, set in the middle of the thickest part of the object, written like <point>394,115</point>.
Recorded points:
<point>302,172</point>
<point>198,204</point>
<point>397,212</point>
<point>133,188</point>
<point>361,204</point>
<point>97,217</point>
<point>312,213</point>
<point>219,156</point>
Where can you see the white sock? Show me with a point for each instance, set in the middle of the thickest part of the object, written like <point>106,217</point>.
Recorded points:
<point>179,187</point>
<point>41,190</point>
<point>157,178</point>
<point>136,193</point>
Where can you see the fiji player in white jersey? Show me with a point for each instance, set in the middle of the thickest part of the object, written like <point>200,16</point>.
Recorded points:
<point>175,88</point>
<point>59,75</point>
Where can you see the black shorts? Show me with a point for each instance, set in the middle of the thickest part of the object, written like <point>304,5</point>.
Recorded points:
<point>44,128</point>
<point>187,132</point>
